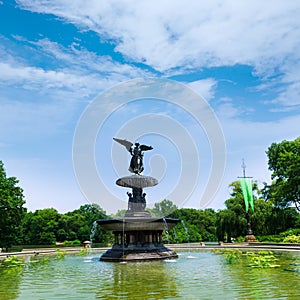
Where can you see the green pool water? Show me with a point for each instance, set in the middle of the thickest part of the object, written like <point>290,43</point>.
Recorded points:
<point>194,275</point>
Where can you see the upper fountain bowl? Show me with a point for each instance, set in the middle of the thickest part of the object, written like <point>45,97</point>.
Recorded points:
<point>137,181</point>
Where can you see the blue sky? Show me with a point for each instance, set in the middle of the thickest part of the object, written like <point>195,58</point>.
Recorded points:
<point>58,57</point>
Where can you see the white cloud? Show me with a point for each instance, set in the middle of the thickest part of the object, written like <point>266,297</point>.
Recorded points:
<point>36,100</point>
<point>87,62</point>
<point>33,77</point>
<point>204,88</point>
<point>78,72</point>
<point>290,95</point>
<point>167,35</point>
<point>173,36</point>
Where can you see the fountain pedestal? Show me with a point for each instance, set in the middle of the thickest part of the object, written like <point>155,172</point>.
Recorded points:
<point>137,236</point>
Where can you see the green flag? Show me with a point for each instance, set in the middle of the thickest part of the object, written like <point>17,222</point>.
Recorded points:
<point>246,185</point>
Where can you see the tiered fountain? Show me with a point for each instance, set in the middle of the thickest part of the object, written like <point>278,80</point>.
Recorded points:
<point>137,236</point>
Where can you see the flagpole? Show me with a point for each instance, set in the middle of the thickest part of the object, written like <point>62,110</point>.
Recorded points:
<point>249,230</point>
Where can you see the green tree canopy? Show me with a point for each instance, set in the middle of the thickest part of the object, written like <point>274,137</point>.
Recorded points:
<point>163,208</point>
<point>82,221</point>
<point>284,162</point>
<point>40,227</point>
<point>195,220</point>
<point>232,222</point>
<point>11,209</point>
<point>195,225</point>
<point>47,226</point>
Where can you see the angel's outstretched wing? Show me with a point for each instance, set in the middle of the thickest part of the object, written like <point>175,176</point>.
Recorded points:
<point>125,143</point>
<point>145,148</point>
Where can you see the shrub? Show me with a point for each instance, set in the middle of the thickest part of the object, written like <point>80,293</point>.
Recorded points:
<point>72,243</point>
<point>275,238</point>
<point>292,239</point>
<point>294,231</point>
<point>240,239</point>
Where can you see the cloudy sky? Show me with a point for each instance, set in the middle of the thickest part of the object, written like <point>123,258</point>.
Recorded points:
<point>60,60</point>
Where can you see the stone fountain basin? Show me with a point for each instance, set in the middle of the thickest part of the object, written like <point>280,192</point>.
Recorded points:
<point>137,181</point>
<point>135,224</point>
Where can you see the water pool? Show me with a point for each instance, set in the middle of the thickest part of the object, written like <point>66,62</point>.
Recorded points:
<point>195,274</point>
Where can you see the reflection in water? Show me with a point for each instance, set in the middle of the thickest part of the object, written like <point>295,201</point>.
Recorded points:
<point>139,280</point>
<point>10,278</point>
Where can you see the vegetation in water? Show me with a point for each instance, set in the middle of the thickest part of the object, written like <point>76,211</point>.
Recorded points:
<point>60,253</point>
<point>83,251</point>
<point>13,261</point>
<point>262,259</point>
<point>232,256</point>
<point>253,259</point>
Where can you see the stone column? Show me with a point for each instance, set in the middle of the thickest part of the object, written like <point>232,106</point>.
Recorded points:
<point>131,238</point>
<point>160,237</point>
<point>116,238</point>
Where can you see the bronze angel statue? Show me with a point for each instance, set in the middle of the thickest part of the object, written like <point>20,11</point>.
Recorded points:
<point>136,162</point>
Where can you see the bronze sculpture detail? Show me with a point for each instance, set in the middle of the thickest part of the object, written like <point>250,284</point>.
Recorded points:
<point>136,162</point>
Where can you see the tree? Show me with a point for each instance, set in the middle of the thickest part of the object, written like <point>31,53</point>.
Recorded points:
<point>81,222</point>
<point>41,227</point>
<point>47,226</point>
<point>163,208</point>
<point>195,220</point>
<point>232,221</point>
<point>283,219</point>
<point>11,209</point>
<point>225,225</point>
<point>284,162</point>
<point>119,214</point>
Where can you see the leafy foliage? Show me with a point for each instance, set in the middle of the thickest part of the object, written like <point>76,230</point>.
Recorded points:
<point>232,221</point>
<point>267,219</point>
<point>196,225</point>
<point>232,255</point>
<point>72,243</point>
<point>119,214</point>
<point>11,209</point>
<point>47,226</point>
<point>288,236</point>
<point>39,228</point>
<point>284,162</point>
<point>260,259</point>
<point>292,239</point>
<point>273,238</point>
<point>163,208</point>
<point>13,261</point>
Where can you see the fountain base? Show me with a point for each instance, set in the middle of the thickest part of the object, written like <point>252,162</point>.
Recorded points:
<point>147,252</point>
<point>138,238</point>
